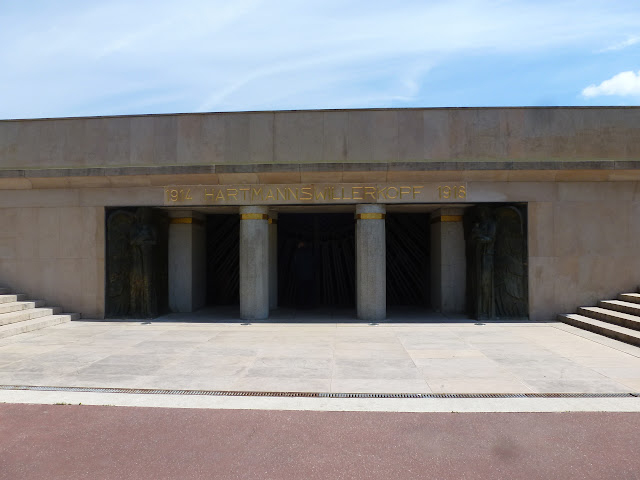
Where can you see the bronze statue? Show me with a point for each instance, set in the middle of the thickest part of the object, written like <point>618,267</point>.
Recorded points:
<point>496,261</point>
<point>142,239</point>
<point>119,258</point>
<point>131,238</point>
<point>481,235</point>
<point>510,266</point>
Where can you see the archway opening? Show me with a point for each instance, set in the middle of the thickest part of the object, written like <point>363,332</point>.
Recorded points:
<point>223,253</point>
<point>408,260</point>
<point>316,261</point>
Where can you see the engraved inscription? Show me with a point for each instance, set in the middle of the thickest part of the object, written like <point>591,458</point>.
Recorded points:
<point>452,192</point>
<point>178,195</point>
<point>314,194</point>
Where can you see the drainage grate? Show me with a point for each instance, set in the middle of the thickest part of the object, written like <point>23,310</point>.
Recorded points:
<point>232,393</point>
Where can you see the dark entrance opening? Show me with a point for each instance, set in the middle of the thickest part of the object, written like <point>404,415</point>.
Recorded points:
<point>316,260</point>
<point>223,266</point>
<point>408,260</point>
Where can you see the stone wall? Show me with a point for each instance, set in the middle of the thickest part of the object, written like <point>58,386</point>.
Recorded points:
<point>583,245</point>
<point>501,135</point>
<point>54,253</point>
<point>583,240</point>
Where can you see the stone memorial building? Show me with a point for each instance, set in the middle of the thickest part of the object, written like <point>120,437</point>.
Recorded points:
<point>496,212</point>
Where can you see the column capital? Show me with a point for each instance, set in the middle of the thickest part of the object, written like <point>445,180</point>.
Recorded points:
<point>186,217</point>
<point>254,209</point>
<point>447,214</point>
<point>254,212</point>
<point>364,208</point>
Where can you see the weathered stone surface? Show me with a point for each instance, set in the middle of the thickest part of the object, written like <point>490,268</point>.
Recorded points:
<point>254,263</point>
<point>474,136</point>
<point>371,299</point>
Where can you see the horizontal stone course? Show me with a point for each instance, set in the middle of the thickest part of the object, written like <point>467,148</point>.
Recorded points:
<point>17,316</point>
<point>27,314</point>
<point>38,323</point>
<point>621,306</point>
<point>438,136</point>
<point>594,166</point>
<point>607,329</point>
<point>9,307</point>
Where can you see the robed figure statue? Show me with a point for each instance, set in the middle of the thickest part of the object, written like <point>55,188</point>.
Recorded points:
<point>131,239</point>
<point>142,239</point>
<point>481,236</point>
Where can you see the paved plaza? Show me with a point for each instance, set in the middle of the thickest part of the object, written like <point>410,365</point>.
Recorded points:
<point>322,354</point>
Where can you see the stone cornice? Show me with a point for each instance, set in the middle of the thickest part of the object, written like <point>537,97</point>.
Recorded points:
<point>321,167</point>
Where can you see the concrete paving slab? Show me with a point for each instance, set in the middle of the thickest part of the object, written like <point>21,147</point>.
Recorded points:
<point>479,385</point>
<point>442,356</point>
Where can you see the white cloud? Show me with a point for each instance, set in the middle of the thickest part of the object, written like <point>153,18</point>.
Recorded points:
<point>623,84</point>
<point>620,45</point>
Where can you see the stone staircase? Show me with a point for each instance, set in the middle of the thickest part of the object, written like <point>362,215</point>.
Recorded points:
<point>618,319</point>
<point>18,315</point>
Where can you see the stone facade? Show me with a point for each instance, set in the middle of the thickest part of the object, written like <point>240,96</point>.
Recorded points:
<point>577,169</point>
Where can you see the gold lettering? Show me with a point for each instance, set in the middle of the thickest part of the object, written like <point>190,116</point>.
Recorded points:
<point>282,193</point>
<point>175,195</point>
<point>452,192</point>
<point>371,191</point>
<point>444,191</point>
<point>307,192</point>
<point>270,195</point>
<point>172,195</point>
<point>212,194</point>
<point>320,194</point>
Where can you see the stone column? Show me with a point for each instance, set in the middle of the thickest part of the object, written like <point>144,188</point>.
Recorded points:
<point>254,263</point>
<point>448,261</point>
<point>187,262</point>
<point>273,259</point>
<point>371,268</point>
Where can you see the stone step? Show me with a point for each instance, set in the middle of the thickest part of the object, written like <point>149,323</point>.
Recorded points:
<point>616,332</point>
<point>36,324</point>
<point>611,316</point>
<point>9,307</point>
<point>621,306</point>
<point>629,297</point>
<point>29,314</point>
<point>11,298</point>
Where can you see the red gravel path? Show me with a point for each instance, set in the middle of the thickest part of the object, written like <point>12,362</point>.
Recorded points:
<point>78,442</point>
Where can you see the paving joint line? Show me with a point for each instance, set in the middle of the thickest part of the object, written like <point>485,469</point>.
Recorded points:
<point>239,393</point>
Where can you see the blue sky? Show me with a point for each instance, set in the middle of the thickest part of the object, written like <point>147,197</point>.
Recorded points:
<point>77,58</point>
